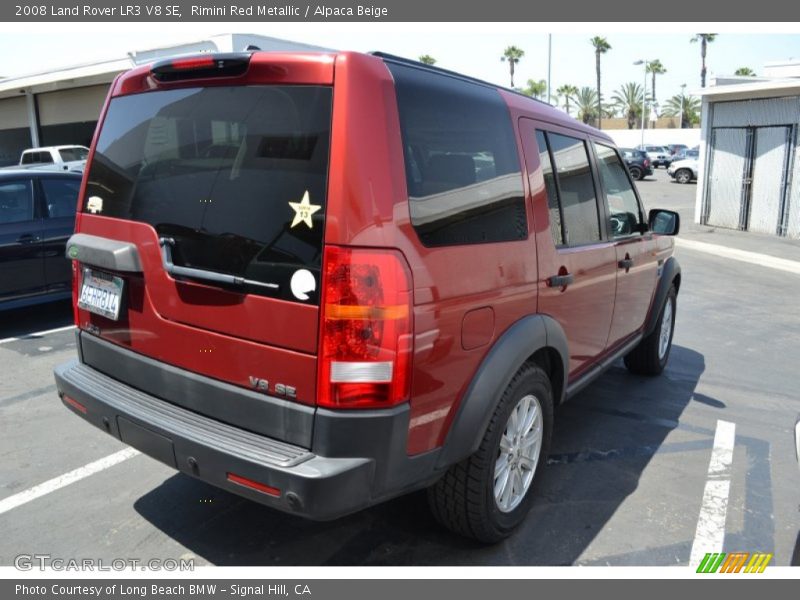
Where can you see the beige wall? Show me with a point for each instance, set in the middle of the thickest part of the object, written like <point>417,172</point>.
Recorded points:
<point>71,106</point>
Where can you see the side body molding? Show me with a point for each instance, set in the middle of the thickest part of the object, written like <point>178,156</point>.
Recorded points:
<point>670,271</point>
<point>510,351</point>
<point>104,253</point>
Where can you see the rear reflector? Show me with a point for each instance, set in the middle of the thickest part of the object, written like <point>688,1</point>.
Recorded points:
<point>254,485</point>
<point>74,404</point>
<point>203,66</point>
<point>365,329</point>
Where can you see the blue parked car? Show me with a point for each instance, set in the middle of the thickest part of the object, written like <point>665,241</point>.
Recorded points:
<point>37,216</point>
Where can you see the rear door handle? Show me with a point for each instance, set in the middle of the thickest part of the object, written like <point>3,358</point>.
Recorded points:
<point>27,239</point>
<point>560,280</point>
<point>625,263</point>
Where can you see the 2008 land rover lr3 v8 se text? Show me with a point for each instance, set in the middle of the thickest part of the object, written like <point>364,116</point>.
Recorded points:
<point>321,280</point>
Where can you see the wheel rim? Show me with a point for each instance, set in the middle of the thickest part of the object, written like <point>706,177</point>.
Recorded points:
<point>518,455</point>
<point>666,330</point>
<point>683,177</point>
<point>636,173</point>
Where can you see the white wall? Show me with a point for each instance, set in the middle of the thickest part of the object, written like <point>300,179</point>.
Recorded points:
<point>630,138</point>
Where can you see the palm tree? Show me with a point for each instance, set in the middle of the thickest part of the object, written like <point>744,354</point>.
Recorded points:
<point>628,99</point>
<point>512,54</point>
<point>427,59</point>
<point>656,68</point>
<point>586,103</point>
<point>567,92</point>
<point>705,39</point>
<point>745,72</point>
<point>601,46</point>
<point>535,89</point>
<point>691,109</point>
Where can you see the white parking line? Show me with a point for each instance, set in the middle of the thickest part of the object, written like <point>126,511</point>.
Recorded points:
<point>755,258</point>
<point>710,534</point>
<point>36,334</point>
<point>37,491</point>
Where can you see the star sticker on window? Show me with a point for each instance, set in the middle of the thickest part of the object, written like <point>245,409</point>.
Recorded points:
<point>303,211</point>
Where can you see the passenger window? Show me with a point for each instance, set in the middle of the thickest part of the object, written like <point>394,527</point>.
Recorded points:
<point>461,160</point>
<point>623,206</point>
<point>16,202</point>
<point>578,200</point>
<point>61,196</point>
<point>556,228</point>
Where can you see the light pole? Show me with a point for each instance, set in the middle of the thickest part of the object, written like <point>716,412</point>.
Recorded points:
<point>644,93</point>
<point>683,95</point>
<point>549,62</point>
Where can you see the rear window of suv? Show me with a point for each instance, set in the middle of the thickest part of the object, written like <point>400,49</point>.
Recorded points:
<point>236,176</point>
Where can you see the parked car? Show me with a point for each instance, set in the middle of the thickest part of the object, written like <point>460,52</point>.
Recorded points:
<point>364,296</point>
<point>659,156</point>
<point>49,158</point>
<point>637,161</point>
<point>684,171</point>
<point>37,216</point>
<point>684,154</point>
<point>675,149</point>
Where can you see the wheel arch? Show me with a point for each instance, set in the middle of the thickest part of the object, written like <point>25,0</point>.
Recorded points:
<point>535,338</point>
<point>670,275</point>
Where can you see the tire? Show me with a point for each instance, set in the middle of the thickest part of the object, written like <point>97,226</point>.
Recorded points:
<point>464,499</point>
<point>650,356</point>
<point>637,173</point>
<point>683,176</point>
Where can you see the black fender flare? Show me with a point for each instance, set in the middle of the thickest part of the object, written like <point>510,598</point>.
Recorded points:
<point>507,355</point>
<point>670,270</point>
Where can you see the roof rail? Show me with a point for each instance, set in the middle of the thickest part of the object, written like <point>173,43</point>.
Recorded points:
<point>418,65</point>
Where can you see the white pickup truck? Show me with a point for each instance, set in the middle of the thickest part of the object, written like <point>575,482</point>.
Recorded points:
<point>68,156</point>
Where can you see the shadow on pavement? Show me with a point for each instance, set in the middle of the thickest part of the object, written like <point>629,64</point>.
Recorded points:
<point>21,322</point>
<point>599,452</point>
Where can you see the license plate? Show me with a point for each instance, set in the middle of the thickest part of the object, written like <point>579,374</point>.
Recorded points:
<point>101,293</point>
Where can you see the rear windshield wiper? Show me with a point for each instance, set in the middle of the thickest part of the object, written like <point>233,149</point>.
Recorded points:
<point>167,243</point>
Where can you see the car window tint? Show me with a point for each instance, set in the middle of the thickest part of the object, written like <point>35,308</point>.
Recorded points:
<point>576,186</point>
<point>16,201</point>
<point>462,166</point>
<point>624,213</point>
<point>556,228</point>
<point>61,196</point>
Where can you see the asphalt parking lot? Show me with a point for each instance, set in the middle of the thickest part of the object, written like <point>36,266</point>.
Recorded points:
<point>626,481</point>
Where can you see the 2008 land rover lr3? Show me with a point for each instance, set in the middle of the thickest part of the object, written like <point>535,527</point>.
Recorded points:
<point>321,280</point>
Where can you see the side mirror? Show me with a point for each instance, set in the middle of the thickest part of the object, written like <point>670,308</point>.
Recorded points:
<point>664,222</point>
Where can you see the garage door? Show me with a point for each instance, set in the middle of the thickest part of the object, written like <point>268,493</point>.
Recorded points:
<point>770,156</point>
<point>726,176</point>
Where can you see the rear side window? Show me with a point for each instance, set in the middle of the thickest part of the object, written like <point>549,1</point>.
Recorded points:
<point>70,154</point>
<point>556,226</point>
<point>462,166</point>
<point>61,196</point>
<point>576,192</point>
<point>236,176</point>
<point>16,201</point>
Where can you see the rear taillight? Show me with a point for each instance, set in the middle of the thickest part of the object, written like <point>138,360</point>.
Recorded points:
<point>365,329</point>
<point>646,162</point>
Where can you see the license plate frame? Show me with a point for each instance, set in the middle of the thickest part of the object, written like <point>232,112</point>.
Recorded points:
<point>101,293</point>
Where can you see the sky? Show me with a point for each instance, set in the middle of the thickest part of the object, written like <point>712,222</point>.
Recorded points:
<point>474,49</point>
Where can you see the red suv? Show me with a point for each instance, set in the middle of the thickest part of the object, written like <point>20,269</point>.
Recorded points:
<point>323,280</point>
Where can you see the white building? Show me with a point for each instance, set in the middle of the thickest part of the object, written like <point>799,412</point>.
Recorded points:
<point>749,161</point>
<point>62,106</point>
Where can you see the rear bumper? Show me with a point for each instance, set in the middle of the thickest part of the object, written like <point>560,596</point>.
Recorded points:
<point>361,458</point>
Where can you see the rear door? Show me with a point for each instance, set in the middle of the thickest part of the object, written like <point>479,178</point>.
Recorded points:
<point>60,198</point>
<point>635,248</point>
<point>222,189</point>
<point>21,263</point>
<point>577,263</point>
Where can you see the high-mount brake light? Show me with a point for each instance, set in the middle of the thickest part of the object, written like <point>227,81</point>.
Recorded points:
<point>365,329</point>
<point>201,66</point>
